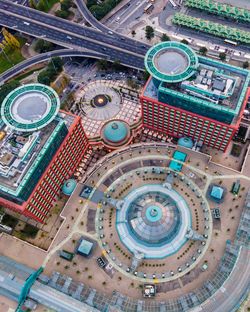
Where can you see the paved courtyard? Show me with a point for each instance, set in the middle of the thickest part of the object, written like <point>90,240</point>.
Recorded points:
<point>122,103</point>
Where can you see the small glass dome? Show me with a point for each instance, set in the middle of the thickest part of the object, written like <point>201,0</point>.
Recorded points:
<point>115,131</point>
<point>69,186</point>
<point>185,142</point>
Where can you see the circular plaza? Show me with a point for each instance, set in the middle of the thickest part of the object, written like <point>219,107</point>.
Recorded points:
<point>152,222</point>
<point>101,101</point>
<point>30,107</point>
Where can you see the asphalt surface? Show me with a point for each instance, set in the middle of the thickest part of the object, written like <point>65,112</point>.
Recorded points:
<point>8,74</point>
<point>51,22</point>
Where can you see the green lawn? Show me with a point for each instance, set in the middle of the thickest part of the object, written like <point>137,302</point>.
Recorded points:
<point>12,57</point>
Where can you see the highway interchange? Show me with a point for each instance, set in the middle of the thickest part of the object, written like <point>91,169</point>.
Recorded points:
<point>72,35</point>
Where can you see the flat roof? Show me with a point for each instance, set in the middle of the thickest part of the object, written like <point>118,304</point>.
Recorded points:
<point>171,61</point>
<point>85,247</point>
<point>21,152</point>
<point>30,107</point>
<point>202,89</point>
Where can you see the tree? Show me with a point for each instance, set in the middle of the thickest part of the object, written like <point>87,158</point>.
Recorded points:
<point>245,64</point>
<point>203,50</point>
<point>146,75</point>
<point>165,37</point>
<point>43,46</point>
<point>10,40</point>
<point>149,32</point>
<point>222,56</point>
<point>117,65</point>
<point>102,64</point>
<point>32,4</point>
<point>66,5</point>
<point>62,14</point>
<point>184,41</point>
<point>7,88</point>
<point>57,63</point>
<point>132,84</point>
<point>133,32</point>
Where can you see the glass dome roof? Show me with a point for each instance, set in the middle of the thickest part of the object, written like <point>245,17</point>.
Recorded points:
<point>69,186</point>
<point>115,131</point>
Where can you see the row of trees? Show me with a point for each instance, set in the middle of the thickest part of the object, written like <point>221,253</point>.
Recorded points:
<point>42,5</point>
<point>53,69</point>
<point>65,6</point>
<point>42,46</point>
<point>149,34</point>
<point>9,42</point>
<point>100,10</point>
<point>103,64</point>
<point>7,88</point>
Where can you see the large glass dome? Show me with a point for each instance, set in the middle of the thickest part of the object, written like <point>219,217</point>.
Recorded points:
<point>154,218</point>
<point>154,221</point>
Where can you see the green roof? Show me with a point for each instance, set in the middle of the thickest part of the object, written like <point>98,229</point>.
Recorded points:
<point>20,99</point>
<point>115,131</point>
<point>171,61</point>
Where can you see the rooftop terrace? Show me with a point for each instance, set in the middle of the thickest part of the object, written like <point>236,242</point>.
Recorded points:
<point>211,85</point>
<point>22,153</point>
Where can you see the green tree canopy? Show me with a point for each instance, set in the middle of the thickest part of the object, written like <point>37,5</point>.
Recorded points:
<point>222,56</point>
<point>7,88</point>
<point>42,46</point>
<point>165,37</point>
<point>102,64</point>
<point>245,64</point>
<point>149,32</point>
<point>203,50</point>
<point>184,41</point>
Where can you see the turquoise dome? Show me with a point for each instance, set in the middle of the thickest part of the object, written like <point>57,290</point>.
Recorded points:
<point>185,142</point>
<point>69,186</point>
<point>115,131</point>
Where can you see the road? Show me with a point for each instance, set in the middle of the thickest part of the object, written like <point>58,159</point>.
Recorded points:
<point>49,24</point>
<point>8,74</point>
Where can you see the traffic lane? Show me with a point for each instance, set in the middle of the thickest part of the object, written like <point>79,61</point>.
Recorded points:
<point>92,20</point>
<point>59,36</point>
<point>44,57</point>
<point>71,27</point>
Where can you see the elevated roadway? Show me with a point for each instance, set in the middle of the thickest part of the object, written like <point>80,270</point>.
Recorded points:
<point>20,67</point>
<point>26,20</point>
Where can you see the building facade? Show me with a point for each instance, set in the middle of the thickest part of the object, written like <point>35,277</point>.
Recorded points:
<point>195,97</point>
<point>38,152</point>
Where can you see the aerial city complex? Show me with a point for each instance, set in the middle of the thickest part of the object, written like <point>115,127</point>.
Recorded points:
<point>124,155</point>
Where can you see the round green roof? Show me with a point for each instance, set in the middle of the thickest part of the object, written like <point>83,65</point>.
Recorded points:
<point>69,186</point>
<point>115,131</point>
<point>185,142</point>
<point>171,61</point>
<point>30,107</point>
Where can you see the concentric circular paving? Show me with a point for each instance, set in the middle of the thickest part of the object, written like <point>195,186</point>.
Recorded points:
<point>30,107</point>
<point>100,102</point>
<point>153,220</point>
<point>171,62</point>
